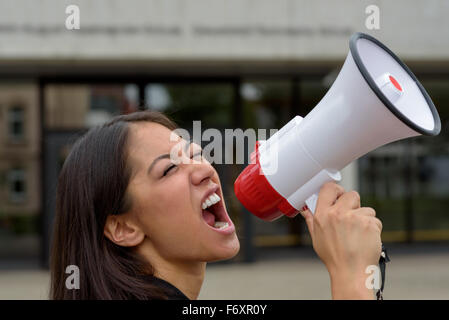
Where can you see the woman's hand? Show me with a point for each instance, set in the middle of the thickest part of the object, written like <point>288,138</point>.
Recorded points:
<point>346,237</point>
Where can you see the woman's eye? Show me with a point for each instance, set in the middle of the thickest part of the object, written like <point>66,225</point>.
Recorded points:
<point>199,153</point>
<point>168,169</point>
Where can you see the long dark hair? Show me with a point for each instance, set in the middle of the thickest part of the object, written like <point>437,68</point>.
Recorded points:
<point>92,185</point>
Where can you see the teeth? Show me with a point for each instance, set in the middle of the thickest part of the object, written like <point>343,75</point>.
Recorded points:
<point>213,199</point>
<point>221,225</point>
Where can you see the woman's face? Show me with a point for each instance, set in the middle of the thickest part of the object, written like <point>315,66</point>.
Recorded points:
<point>168,198</point>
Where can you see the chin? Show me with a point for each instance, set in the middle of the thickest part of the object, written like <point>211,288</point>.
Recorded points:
<point>227,252</point>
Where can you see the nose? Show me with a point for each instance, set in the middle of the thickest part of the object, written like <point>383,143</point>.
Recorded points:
<point>201,173</point>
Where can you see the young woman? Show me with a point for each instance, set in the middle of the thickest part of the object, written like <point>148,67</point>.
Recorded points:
<point>139,226</point>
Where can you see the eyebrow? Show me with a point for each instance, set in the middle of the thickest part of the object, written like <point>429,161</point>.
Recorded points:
<point>165,156</point>
<point>162,156</point>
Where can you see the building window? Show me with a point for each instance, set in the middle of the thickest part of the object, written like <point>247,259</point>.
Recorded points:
<point>16,123</point>
<point>16,185</point>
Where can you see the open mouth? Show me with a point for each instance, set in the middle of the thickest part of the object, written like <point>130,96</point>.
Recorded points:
<point>214,213</point>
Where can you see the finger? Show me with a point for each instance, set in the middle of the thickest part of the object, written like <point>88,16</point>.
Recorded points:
<point>374,221</point>
<point>308,216</point>
<point>328,195</point>
<point>366,211</point>
<point>348,201</point>
<point>378,223</point>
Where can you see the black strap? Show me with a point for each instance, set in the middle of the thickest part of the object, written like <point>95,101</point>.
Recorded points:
<point>382,263</point>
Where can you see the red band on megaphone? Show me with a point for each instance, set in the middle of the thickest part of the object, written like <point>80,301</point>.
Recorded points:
<point>257,195</point>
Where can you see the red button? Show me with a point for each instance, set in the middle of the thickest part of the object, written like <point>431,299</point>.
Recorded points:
<point>395,83</point>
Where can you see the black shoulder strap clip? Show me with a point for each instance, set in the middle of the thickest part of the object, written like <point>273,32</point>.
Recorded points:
<point>382,262</point>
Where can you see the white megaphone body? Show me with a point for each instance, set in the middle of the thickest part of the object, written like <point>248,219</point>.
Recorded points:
<point>375,100</point>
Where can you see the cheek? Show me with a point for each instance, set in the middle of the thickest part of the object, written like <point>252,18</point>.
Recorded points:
<point>168,217</point>
<point>173,203</point>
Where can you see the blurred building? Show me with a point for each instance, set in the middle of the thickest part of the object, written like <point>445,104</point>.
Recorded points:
<point>231,64</point>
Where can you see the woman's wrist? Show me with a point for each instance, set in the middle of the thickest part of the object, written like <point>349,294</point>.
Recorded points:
<point>346,285</point>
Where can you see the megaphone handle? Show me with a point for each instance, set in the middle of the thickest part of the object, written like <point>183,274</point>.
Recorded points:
<point>313,187</point>
<point>311,202</point>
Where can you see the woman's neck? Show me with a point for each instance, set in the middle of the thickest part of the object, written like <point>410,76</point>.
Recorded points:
<point>186,276</point>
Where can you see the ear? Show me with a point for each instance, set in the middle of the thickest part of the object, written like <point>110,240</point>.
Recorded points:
<point>123,231</point>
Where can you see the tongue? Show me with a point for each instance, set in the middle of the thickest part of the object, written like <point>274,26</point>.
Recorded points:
<point>209,217</point>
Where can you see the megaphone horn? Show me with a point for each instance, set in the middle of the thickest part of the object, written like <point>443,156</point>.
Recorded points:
<point>375,100</point>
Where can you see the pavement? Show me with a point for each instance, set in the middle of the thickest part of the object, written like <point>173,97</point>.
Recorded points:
<point>415,272</point>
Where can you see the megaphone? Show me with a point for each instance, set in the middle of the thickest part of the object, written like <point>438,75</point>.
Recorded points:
<point>375,100</point>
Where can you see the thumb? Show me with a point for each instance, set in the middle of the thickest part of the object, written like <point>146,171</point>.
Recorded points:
<point>308,216</point>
